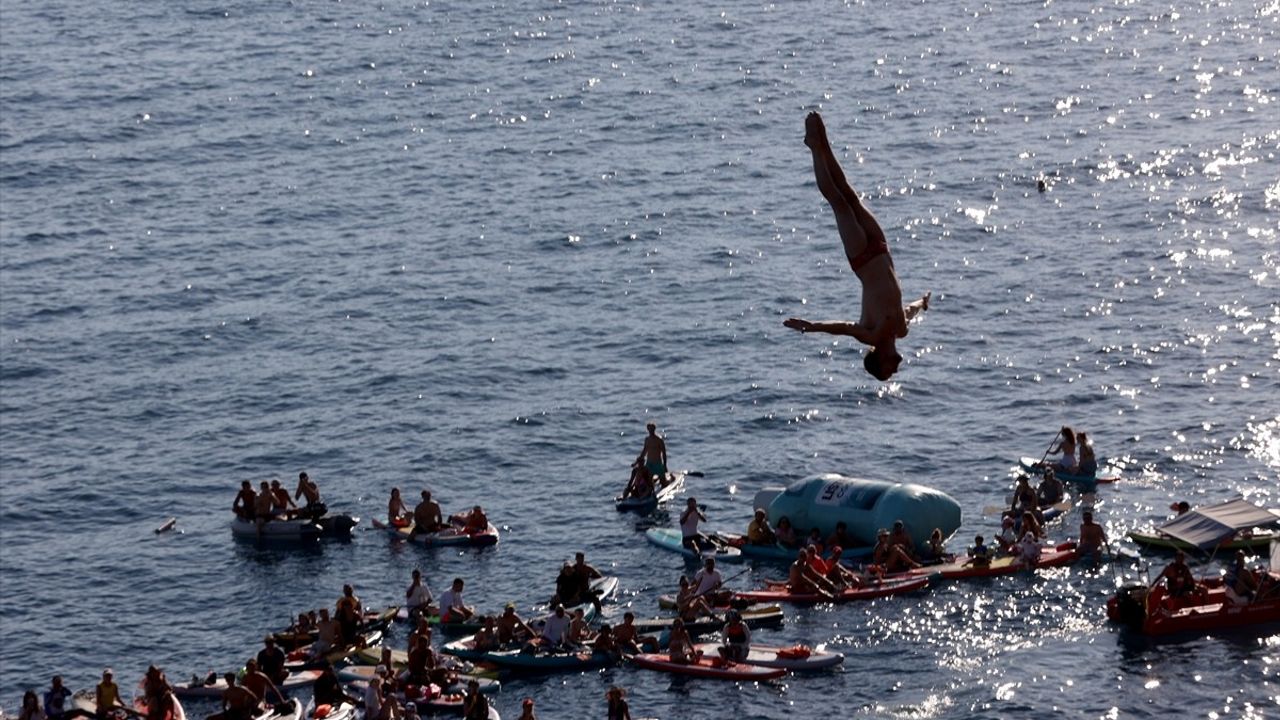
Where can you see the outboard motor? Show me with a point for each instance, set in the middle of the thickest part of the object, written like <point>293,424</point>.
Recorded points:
<point>1131,604</point>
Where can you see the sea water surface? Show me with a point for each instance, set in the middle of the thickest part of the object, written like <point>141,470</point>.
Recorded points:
<point>475,246</point>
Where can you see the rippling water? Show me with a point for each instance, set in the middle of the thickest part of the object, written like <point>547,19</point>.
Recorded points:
<point>476,246</point>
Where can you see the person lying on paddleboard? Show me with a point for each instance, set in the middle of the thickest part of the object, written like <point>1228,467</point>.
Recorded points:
<point>884,319</point>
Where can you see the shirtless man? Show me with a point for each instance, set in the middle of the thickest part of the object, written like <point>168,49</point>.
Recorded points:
<point>654,455</point>
<point>258,683</point>
<point>1092,538</point>
<point>426,516</point>
<point>883,319</point>
<point>263,506</point>
<point>238,702</point>
<point>281,502</point>
<point>245,501</point>
<point>309,490</point>
<point>801,579</point>
<point>628,637</point>
<point>510,625</point>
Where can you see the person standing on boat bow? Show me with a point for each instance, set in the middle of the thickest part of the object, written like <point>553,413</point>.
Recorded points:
<point>884,319</point>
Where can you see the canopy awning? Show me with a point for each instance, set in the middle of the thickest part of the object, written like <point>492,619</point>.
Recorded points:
<point>1208,526</point>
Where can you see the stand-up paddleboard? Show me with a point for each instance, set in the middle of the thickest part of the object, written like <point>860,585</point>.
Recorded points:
<point>871,590</point>
<point>650,502</point>
<point>672,540</point>
<point>794,659</point>
<point>448,536</point>
<point>708,668</point>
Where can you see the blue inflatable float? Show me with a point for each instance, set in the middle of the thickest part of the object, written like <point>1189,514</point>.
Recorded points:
<point>865,506</point>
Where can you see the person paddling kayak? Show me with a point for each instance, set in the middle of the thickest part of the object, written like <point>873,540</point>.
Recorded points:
<point>884,319</point>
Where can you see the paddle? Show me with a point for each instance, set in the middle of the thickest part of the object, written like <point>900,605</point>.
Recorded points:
<point>1051,442</point>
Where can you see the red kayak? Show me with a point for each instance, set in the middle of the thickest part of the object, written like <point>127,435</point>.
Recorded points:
<point>708,667</point>
<point>873,589</point>
<point>1153,612</point>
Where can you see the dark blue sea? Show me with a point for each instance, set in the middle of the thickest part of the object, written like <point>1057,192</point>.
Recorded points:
<point>475,246</point>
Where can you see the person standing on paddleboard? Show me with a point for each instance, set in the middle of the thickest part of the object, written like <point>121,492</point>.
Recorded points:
<point>654,455</point>
<point>884,319</point>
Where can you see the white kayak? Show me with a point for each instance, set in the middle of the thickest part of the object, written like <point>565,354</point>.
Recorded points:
<point>341,711</point>
<point>795,659</point>
<point>276,529</point>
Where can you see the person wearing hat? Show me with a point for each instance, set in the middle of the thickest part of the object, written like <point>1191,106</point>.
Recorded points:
<point>106,695</point>
<point>511,627</point>
<point>271,660</point>
<point>759,532</point>
<point>737,638</point>
<point>884,319</point>
<point>838,574</point>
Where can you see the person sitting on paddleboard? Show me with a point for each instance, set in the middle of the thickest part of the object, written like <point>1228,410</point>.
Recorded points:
<point>1031,525</point>
<point>604,641</point>
<point>707,581</point>
<point>1050,490</point>
<point>472,521</point>
<point>475,706</point>
<point>106,695</point>
<point>426,516</point>
<point>258,683</point>
<point>245,502</point>
<point>802,580</point>
<point>680,648</point>
<point>421,661</point>
<point>654,455</point>
<point>889,555</point>
<point>271,660</point>
<point>418,598</point>
<point>555,630</point>
<point>814,540</point>
<point>328,634</point>
<point>452,608</point>
<point>759,532</point>
<point>579,630</point>
<point>690,537</point>
<point>1092,537</point>
<point>840,536</point>
<point>328,687</point>
<point>238,702</point>
<point>1024,496</point>
<point>884,319</point>
<point>349,613</point>
<point>737,638</point>
<point>1088,466</point>
<point>1008,535</point>
<point>510,626</point>
<point>640,484</point>
<point>397,512</point>
<point>935,550</point>
<point>1067,448</point>
<point>839,575</point>
<point>785,534</point>
<point>1028,549</point>
<point>689,605</point>
<point>979,554</point>
<point>629,638</point>
<point>583,574</point>
<point>899,537</point>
